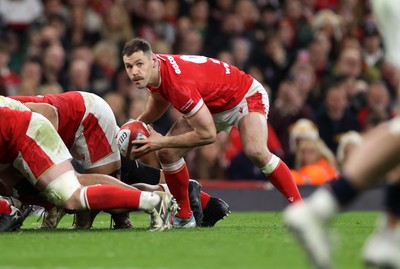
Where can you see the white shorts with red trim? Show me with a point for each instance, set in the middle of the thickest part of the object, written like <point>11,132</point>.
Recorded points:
<point>255,100</point>
<point>95,142</point>
<point>41,149</point>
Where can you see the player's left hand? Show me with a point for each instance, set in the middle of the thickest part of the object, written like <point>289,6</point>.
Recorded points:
<point>152,143</point>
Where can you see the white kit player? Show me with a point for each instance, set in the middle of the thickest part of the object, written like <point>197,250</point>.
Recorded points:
<point>375,159</point>
<point>88,127</point>
<point>30,143</point>
<point>212,96</point>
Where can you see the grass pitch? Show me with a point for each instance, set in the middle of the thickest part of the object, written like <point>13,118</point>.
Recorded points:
<point>244,240</point>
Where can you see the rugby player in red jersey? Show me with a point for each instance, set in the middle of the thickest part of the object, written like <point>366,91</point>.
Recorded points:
<point>212,96</point>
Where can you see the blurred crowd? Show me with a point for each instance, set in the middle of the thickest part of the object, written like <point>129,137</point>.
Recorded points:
<point>321,61</point>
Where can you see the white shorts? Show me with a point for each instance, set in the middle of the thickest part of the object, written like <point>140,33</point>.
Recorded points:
<point>95,142</point>
<point>42,148</point>
<point>255,100</point>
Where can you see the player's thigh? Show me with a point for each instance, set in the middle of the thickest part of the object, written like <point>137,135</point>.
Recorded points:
<point>108,168</point>
<point>254,133</point>
<point>378,154</point>
<point>41,150</point>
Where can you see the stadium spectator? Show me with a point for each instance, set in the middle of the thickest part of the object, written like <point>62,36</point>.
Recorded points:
<point>288,107</point>
<point>301,129</point>
<point>378,108</point>
<point>294,11</point>
<point>315,163</point>
<point>334,116</point>
<point>327,21</point>
<point>156,26</point>
<point>50,8</point>
<point>8,78</point>
<point>17,15</point>
<point>372,47</point>
<point>79,77</point>
<point>347,143</point>
<point>117,28</point>
<point>105,62</point>
<point>53,65</point>
<point>248,12</point>
<point>31,75</point>
<point>191,43</point>
<point>170,82</point>
<point>274,62</point>
<point>85,24</point>
<point>118,106</point>
<point>302,74</point>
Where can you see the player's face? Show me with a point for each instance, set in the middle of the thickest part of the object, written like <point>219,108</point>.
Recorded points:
<point>139,67</point>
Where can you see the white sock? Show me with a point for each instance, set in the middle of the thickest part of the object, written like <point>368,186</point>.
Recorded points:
<point>148,200</point>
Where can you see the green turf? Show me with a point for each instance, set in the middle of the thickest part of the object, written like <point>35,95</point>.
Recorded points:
<point>244,240</point>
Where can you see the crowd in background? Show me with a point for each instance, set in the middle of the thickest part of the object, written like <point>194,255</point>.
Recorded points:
<point>321,61</point>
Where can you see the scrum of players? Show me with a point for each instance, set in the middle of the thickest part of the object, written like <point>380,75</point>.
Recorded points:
<point>85,125</point>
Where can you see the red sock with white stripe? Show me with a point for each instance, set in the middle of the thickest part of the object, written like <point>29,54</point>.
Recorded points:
<point>177,179</point>
<point>279,175</point>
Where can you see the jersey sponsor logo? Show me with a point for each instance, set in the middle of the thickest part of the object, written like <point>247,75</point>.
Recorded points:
<point>174,64</point>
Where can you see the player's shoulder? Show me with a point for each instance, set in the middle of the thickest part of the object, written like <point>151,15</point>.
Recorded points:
<point>12,104</point>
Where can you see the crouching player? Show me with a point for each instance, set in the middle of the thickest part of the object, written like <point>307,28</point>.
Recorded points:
<point>29,142</point>
<point>207,210</point>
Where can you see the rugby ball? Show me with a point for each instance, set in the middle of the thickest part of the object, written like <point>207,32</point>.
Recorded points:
<point>132,130</point>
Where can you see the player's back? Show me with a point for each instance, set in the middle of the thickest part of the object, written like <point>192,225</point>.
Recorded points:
<point>13,125</point>
<point>70,108</point>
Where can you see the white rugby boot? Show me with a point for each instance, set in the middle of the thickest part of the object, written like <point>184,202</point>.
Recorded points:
<point>382,250</point>
<point>309,220</point>
<point>161,215</point>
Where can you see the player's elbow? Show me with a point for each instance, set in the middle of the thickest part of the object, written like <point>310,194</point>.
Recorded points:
<point>208,137</point>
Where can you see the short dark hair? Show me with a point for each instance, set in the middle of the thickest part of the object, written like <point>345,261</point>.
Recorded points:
<point>135,45</point>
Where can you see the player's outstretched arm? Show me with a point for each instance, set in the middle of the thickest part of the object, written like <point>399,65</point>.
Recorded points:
<point>156,106</point>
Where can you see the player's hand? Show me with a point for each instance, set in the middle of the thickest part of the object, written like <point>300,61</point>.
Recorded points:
<point>145,146</point>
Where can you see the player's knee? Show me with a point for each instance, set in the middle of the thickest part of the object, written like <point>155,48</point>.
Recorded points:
<point>74,202</point>
<point>64,191</point>
<point>255,153</point>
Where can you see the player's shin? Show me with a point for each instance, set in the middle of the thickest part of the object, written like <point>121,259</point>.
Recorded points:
<point>177,179</point>
<point>279,175</point>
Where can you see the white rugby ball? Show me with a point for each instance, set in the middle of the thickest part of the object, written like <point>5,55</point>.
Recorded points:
<point>132,130</point>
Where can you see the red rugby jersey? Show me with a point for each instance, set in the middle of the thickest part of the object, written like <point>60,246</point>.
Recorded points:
<point>189,81</point>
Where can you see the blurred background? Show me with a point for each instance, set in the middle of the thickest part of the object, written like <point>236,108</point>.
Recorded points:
<point>320,60</point>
